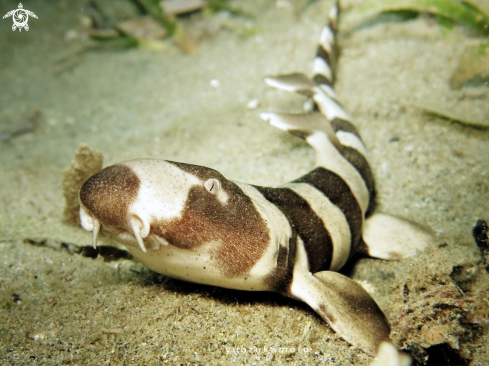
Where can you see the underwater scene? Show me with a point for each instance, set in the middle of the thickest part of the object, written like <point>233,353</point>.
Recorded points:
<point>190,182</point>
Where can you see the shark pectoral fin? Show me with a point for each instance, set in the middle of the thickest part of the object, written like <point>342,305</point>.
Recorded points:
<point>391,237</point>
<point>346,307</point>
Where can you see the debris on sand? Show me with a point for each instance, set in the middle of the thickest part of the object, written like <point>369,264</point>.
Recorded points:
<point>87,162</point>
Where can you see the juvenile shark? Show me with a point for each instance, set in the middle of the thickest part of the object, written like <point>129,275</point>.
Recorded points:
<point>190,222</point>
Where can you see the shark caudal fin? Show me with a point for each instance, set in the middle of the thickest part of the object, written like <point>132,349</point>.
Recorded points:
<point>391,237</point>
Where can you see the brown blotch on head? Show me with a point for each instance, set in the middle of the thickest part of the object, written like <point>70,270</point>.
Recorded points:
<point>108,194</point>
<point>238,230</point>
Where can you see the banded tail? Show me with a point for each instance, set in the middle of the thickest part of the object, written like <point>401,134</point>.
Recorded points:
<point>338,145</point>
<point>338,199</point>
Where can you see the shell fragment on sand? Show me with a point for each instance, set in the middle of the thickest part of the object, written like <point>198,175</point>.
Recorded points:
<point>174,7</point>
<point>145,28</point>
<point>88,161</point>
<point>22,127</point>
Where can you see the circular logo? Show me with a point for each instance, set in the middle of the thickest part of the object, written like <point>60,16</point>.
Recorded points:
<point>20,18</point>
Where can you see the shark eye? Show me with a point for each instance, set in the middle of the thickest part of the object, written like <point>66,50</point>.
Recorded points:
<point>212,185</point>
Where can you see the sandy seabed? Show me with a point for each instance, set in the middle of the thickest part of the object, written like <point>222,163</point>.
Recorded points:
<point>57,308</point>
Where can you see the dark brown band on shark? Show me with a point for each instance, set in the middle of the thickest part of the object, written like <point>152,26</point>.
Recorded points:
<point>330,60</point>
<point>333,25</point>
<point>109,193</point>
<point>321,79</point>
<point>339,193</point>
<point>308,224</point>
<point>333,21</point>
<point>330,56</point>
<point>324,54</point>
<point>306,124</point>
<point>238,228</point>
<point>330,97</point>
<point>339,124</point>
<point>357,159</point>
<point>281,277</point>
<point>361,165</point>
